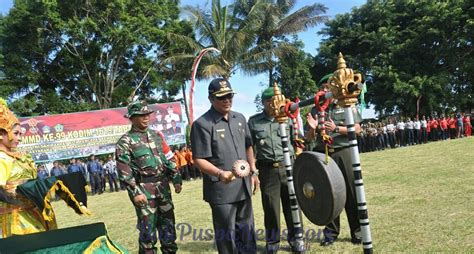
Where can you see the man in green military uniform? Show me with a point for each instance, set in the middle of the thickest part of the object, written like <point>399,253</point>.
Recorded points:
<point>339,151</point>
<point>268,149</point>
<point>145,166</point>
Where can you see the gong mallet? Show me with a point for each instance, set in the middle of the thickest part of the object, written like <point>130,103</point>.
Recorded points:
<point>278,103</point>
<point>346,87</point>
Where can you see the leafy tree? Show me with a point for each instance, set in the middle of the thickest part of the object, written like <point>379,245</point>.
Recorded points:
<point>92,52</point>
<point>409,51</point>
<point>293,73</point>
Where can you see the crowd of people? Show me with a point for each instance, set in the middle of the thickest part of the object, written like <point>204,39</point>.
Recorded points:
<point>98,173</point>
<point>183,156</point>
<point>401,132</point>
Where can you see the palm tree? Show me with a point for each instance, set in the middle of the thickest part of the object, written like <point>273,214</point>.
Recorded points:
<point>276,23</point>
<point>248,33</point>
<point>221,29</point>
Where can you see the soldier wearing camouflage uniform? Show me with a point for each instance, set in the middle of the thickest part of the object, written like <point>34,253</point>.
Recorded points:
<point>145,166</point>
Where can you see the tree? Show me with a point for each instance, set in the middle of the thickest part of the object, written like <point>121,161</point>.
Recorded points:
<point>277,22</point>
<point>409,51</point>
<point>89,51</point>
<point>293,73</point>
<point>221,29</point>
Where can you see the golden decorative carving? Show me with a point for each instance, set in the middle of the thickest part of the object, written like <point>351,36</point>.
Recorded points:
<point>345,84</point>
<point>278,103</point>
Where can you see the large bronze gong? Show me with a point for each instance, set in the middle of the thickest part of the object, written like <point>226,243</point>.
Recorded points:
<point>319,187</point>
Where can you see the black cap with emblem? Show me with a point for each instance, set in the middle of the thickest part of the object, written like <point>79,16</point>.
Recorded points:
<point>220,87</point>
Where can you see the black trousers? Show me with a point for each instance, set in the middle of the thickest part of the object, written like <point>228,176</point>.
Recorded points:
<point>185,172</point>
<point>274,188</point>
<point>196,170</point>
<point>234,230</point>
<point>410,135</point>
<point>332,230</point>
<point>401,137</point>
<point>113,182</point>
<point>424,135</point>
<point>380,142</point>
<point>391,139</point>
<point>96,183</point>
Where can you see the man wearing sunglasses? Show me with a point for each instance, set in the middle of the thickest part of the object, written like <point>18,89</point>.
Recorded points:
<point>218,139</point>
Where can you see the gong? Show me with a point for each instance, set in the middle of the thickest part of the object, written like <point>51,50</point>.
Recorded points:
<point>319,187</point>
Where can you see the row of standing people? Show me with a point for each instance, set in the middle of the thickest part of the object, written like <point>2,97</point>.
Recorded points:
<point>185,163</point>
<point>96,172</point>
<point>399,133</point>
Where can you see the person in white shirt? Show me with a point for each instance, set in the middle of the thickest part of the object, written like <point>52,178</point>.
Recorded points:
<point>385,134</point>
<point>424,133</point>
<point>111,170</point>
<point>417,128</point>
<point>409,131</point>
<point>401,133</point>
<point>391,133</point>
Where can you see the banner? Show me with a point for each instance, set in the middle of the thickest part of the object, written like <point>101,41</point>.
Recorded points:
<point>65,136</point>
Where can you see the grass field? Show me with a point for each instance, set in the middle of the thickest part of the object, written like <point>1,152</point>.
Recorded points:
<point>420,199</point>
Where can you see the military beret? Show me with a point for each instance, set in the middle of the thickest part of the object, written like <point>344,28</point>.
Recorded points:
<point>268,93</point>
<point>324,79</point>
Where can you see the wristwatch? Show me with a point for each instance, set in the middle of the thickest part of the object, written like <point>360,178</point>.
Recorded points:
<point>255,172</point>
<point>336,130</point>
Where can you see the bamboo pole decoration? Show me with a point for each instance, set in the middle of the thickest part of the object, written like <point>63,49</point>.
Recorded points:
<point>196,62</point>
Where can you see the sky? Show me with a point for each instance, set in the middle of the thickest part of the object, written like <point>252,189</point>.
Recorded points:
<point>247,87</point>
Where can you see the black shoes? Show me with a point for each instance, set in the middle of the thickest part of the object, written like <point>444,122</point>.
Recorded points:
<point>297,246</point>
<point>356,241</point>
<point>328,241</point>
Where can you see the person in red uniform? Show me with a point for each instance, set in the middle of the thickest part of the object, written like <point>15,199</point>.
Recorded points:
<point>428,130</point>
<point>176,159</point>
<point>434,129</point>
<point>467,125</point>
<point>452,127</point>
<point>183,164</point>
<point>444,128</point>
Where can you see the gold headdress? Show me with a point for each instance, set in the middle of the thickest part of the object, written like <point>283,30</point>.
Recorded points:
<point>7,119</point>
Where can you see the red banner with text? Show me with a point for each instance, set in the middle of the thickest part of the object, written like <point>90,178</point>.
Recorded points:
<point>74,135</point>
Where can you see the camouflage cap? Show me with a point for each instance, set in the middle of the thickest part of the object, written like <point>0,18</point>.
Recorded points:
<point>268,93</point>
<point>220,87</point>
<point>138,108</point>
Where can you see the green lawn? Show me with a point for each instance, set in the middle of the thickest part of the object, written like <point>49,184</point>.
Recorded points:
<point>420,199</point>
